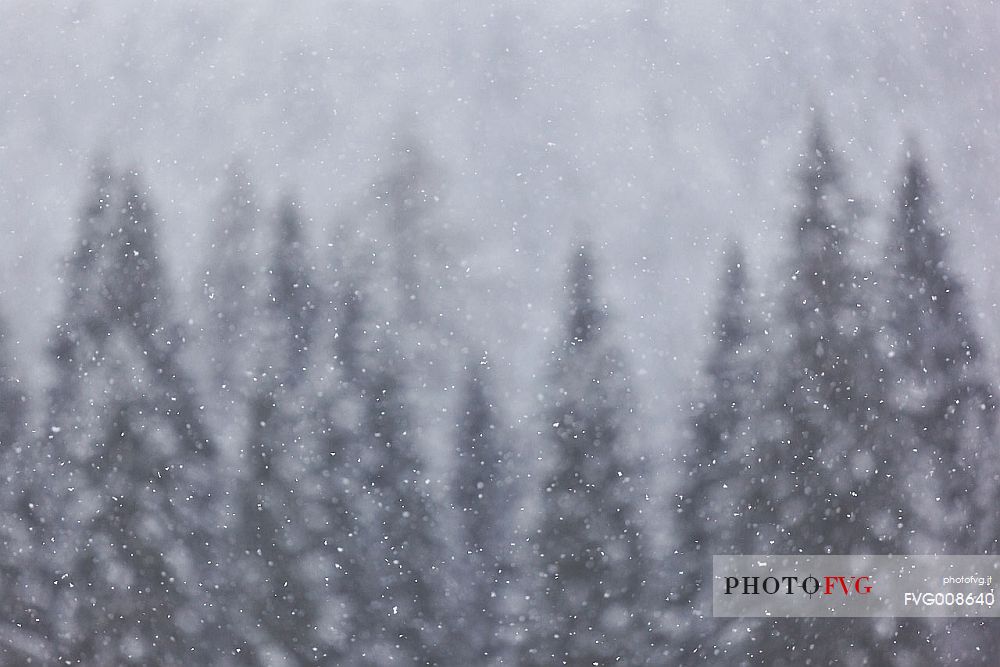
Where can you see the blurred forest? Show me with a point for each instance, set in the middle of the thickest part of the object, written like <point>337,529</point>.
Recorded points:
<point>250,479</point>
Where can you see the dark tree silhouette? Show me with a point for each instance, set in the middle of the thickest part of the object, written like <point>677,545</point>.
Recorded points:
<point>484,494</point>
<point>233,298</point>
<point>589,543</point>
<point>134,508</point>
<point>723,501</point>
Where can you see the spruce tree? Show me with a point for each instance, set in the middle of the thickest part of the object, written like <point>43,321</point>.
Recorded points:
<point>940,390</point>
<point>722,502</point>
<point>830,390</point>
<point>293,295</point>
<point>394,544</point>
<point>391,362</point>
<point>411,258</point>
<point>940,406</point>
<point>325,467</point>
<point>277,615</point>
<point>821,425</point>
<point>403,202</point>
<point>483,495</point>
<point>233,299</point>
<point>132,496</point>
<point>589,542</point>
<point>25,575</point>
<point>275,518</point>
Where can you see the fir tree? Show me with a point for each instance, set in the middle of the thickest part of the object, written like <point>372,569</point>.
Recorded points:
<point>723,498</point>
<point>28,630</point>
<point>483,494</point>
<point>403,201</point>
<point>326,471</point>
<point>276,616</point>
<point>940,393</point>
<point>293,296</point>
<point>411,258</point>
<point>820,430</point>
<point>388,521</point>
<point>273,540</point>
<point>401,594</point>
<point>408,527</point>
<point>234,297</point>
<point>589,543</point>
<point>134,509</point>
<point>829,390</point>
<point>940,412</point>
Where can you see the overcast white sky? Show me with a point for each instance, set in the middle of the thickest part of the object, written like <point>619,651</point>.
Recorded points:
<point>661,128</point>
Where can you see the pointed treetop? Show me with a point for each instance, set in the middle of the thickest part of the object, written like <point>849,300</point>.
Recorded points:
<point>916,241</point>
<point>586,313</point>
<point>102,182</point>
<point>408,151</point>
<point>819,164</point>
<point>139,217</point>
<point>478,367</point>
<point>477,380</point>
<point>290,222</point>
<point>827,213</point>
<point>240,186</point>
<point>735,269</point>
<point>102,169</point>
<point>732,323</point>
<point>916,183</point>
<point>134,185</point>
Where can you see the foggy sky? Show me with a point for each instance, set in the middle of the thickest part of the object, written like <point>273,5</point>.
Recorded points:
<point>657,129</point>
